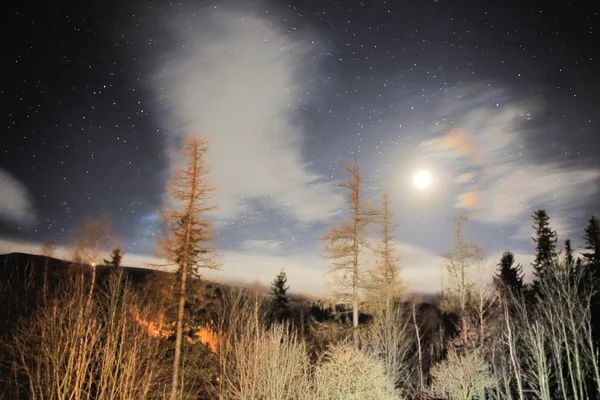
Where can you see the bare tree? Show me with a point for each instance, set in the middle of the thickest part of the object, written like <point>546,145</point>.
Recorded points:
<point>384,283</point>
<point>48,249</point>
<point>345,242</point>
<point>389,337</point>
<point>419,346</point>
<point>188,243</point>
<point>481,295</point>
<point>459,263</point>
<point>510,341</point>
<point>558,339</point>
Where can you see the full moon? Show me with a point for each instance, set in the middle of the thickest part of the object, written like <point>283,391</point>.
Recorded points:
<point>422,180</point>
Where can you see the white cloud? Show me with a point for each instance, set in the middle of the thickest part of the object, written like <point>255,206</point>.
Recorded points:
<point>15,200</point>
<point>513,194</point>
<point>259,245</point>
<point>234,77</point>
<point>420,268</point>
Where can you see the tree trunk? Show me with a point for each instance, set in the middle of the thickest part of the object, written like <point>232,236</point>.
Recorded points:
<point>178,335</point>
<point>92,284</point>
<point>419,351</point>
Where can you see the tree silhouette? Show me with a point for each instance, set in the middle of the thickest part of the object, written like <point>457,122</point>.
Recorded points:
<point>545,247</point>
<point>279,296</point>
<point>115,258</point>
<point>591,238</point>
<point>508,278</point>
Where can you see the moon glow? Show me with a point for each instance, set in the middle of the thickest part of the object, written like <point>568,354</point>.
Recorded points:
<point>422,179</point>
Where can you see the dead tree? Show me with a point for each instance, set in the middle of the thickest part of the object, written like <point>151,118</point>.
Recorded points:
<point>188,244</point>
<point>344,243</point>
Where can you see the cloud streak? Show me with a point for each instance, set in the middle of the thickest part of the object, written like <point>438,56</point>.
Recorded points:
<point>500,181</point>
<point>235,77</point>
<point>16,203</point>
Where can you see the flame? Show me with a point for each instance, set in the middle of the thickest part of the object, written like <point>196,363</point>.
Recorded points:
<point>204,334</point>
<point>162,329</point>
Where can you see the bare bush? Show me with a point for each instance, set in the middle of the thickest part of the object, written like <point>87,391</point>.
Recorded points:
<point>390,337</point>
<point>256,362</point>
<point>347,373</point>
<point>463,377</point>
<point>272,365</point>
<point>69,350</point>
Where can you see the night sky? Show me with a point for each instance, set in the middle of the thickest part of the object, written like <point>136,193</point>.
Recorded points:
<point>497,100</point>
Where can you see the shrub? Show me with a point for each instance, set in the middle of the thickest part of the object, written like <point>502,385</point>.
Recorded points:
<point>461,376</point>
<point>346,373</point>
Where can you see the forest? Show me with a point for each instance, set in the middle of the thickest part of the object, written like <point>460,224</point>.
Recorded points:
<point>90,328</point>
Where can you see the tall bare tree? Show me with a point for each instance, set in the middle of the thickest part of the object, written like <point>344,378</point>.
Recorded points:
<point>188,243</point>
<point>344,243</point>
<point>459,262</point>
<point>385,284</point>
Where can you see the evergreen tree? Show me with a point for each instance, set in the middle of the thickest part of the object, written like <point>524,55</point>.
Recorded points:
<point>545,246</point>
<point>572,266</point>
<point>569,255</point>
<point>279,296</point>
<point>115,258</point>
<point>509,277</point>
<point>591,238</point>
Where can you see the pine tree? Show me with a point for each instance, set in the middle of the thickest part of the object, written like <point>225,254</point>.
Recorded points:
<point>545,247</point>
<point>344,243</point>
<point>509,277</point>
<point>188,241</point>
<point>569,255</point>
<point>591,238</point>
<point>279,296</point>
<point>115,258</point>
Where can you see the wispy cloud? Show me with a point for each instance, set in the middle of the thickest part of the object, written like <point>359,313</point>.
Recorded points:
<point>16,203</point>
<point>236,78</point>
<point>500,179</point>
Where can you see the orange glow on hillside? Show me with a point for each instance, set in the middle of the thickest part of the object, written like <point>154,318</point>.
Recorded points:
<point>162,329</point>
